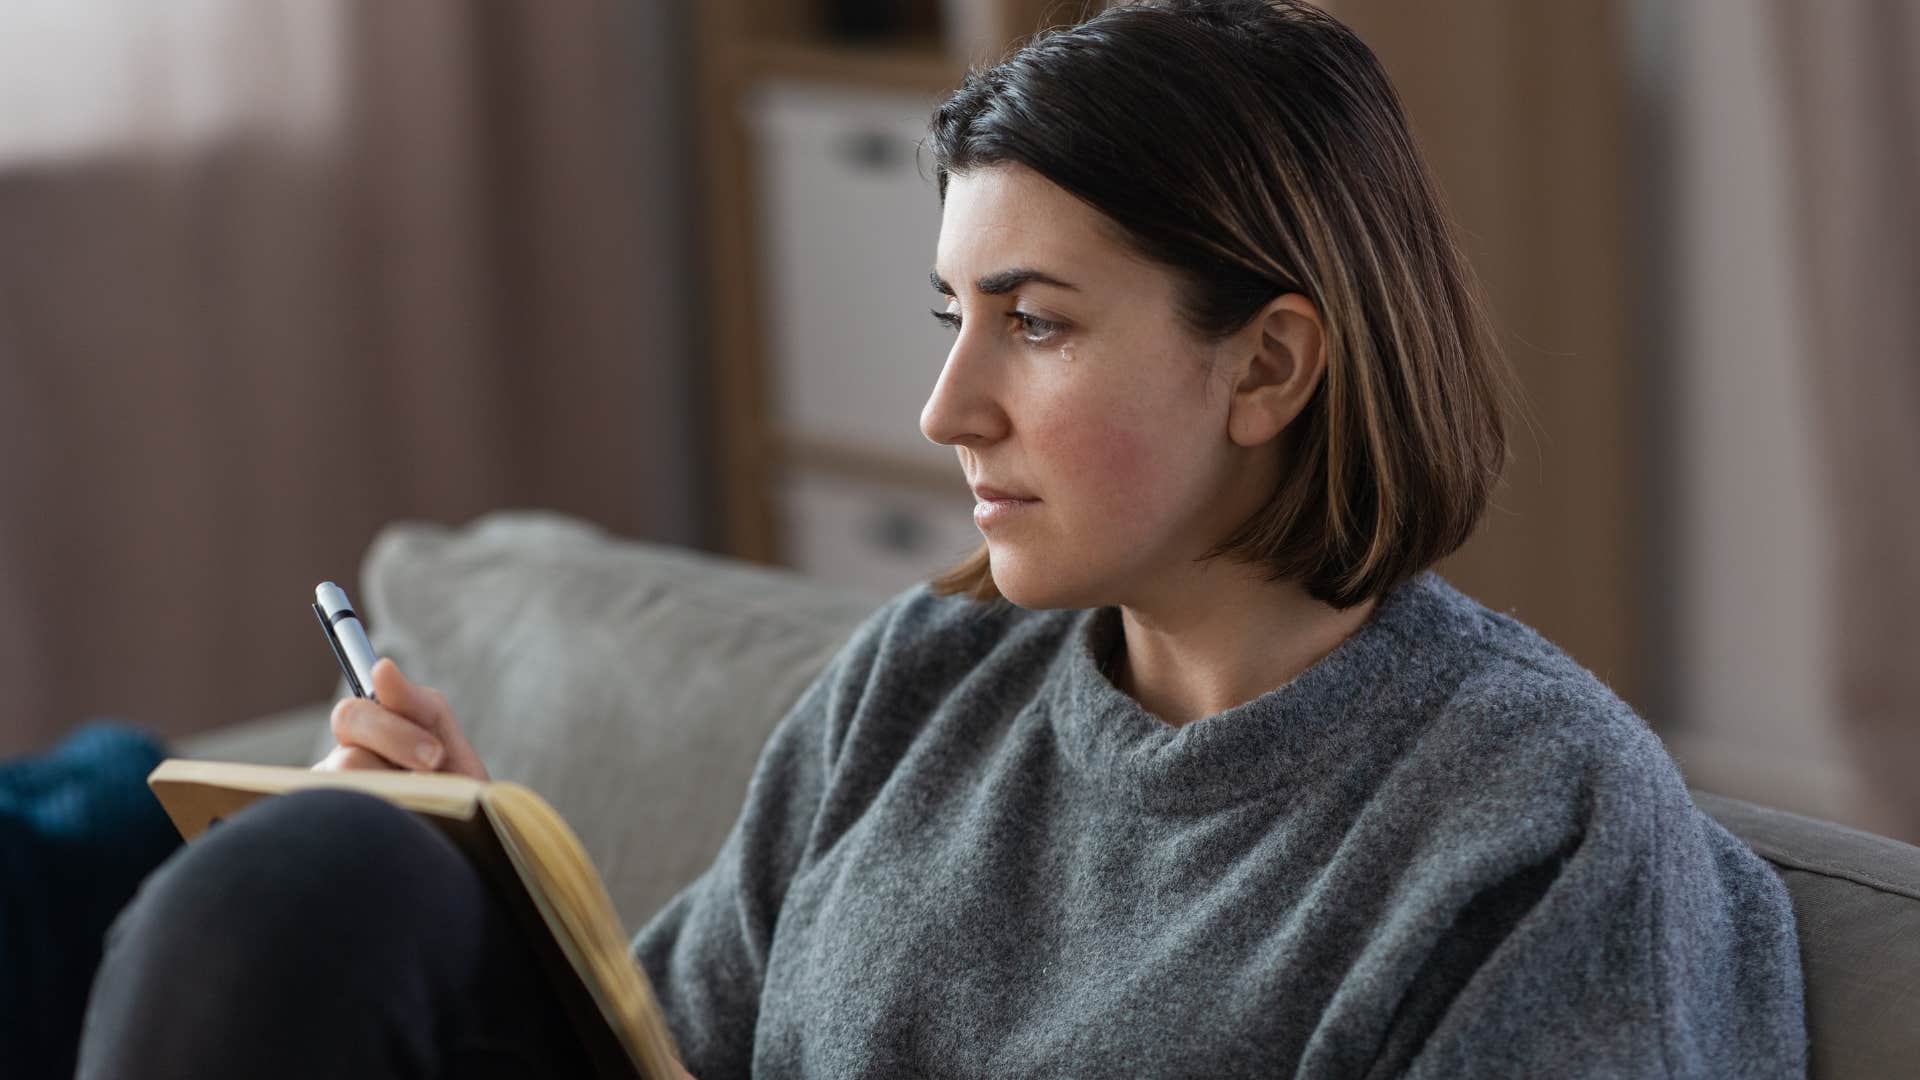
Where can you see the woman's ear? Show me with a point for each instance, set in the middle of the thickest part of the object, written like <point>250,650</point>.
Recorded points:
<point>1279,360</point>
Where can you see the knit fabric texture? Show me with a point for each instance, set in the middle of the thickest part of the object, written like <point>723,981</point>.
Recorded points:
<point>1446,849</point>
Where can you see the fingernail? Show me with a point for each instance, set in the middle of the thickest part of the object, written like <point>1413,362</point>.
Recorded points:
<point>429,754</point>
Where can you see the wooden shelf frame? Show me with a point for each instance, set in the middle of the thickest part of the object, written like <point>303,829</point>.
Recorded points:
<point>741,42</point>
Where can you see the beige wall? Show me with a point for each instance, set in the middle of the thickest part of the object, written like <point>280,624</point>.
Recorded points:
<point>1665,524</point>
<point>1520,109</point>
<point>1754,687</point>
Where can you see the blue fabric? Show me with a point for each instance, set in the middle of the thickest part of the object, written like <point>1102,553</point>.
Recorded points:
<point>79,829</point>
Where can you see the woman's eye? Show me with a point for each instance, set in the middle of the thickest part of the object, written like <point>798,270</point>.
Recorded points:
<point>1037,330</point>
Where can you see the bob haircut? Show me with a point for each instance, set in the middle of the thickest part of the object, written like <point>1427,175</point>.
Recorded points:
<point>1256,148</point>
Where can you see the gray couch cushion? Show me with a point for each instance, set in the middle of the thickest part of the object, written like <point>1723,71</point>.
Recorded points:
<point>282,738</point>
<point>1856,898</point>
<point>630,684</point>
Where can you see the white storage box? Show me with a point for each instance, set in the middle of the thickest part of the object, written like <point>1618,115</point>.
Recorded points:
<point>848,226</point>
<point>871,535</point>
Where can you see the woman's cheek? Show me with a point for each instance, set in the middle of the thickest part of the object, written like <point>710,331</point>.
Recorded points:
<point>1111,472</point>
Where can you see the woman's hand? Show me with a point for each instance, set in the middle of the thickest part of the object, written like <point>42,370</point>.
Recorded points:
<point>410,727</point>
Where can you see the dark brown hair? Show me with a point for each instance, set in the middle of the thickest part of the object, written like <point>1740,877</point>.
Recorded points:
<point>1256,148</point>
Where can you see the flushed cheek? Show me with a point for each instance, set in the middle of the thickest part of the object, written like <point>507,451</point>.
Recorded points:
<point>1105,477</point>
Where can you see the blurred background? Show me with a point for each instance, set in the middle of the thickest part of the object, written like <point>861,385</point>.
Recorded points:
<point>274,273</point>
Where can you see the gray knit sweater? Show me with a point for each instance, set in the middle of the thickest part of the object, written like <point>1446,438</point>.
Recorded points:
<point>1445,850</point>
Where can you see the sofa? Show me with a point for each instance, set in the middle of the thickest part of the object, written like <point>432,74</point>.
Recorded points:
<point>633,684</point>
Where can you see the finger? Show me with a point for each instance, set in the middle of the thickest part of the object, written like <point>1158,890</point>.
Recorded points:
<point>423,705</point>
<point>428,708</point>
<point>343,758</point>
<point>368,724</point>
<point>351,726</point>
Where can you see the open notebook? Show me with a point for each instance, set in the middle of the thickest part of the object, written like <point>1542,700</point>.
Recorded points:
<point>523,847</point>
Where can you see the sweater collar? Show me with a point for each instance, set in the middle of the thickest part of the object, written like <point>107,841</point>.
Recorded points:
<point>1278,742</point>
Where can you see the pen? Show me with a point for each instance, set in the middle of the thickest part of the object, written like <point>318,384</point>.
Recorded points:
<point>347,636</point>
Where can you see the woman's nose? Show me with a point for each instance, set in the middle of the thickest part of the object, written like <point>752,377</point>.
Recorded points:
<point>962,409</point>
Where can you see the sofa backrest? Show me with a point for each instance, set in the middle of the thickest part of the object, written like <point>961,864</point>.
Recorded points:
<point>633,685</point>
<point>1856,900</point>
<point>630,684</point>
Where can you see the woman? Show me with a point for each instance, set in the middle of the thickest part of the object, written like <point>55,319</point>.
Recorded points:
<point>1196,768</point>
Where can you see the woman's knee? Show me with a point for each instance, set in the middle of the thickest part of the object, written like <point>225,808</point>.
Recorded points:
<point>294,921</point>
<point>294,871</point>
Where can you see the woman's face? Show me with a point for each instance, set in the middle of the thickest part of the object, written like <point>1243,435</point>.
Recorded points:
<point>1086,394</point>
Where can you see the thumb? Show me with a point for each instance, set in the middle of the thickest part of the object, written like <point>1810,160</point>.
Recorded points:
<point>428,708</point>
<point>400,694</point>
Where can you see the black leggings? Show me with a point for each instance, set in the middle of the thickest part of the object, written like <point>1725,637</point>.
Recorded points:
<point>322,933</point>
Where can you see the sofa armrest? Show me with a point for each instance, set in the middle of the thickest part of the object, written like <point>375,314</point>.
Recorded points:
<point>282,738</point>
<point>1856,905</point>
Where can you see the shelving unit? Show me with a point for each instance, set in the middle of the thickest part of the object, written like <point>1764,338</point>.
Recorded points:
<point>765,458</point>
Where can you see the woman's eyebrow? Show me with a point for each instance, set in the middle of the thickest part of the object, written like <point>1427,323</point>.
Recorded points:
<point>1004,281</point>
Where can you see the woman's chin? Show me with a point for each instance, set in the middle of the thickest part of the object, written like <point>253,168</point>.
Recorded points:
<point>1025,583</point>
<point>1012,577</point>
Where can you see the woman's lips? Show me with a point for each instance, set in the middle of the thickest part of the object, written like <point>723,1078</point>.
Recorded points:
<point>989,512</point>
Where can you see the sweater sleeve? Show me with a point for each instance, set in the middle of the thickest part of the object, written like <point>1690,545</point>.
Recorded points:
<point>706,951</point>
<point>1653,944</point>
